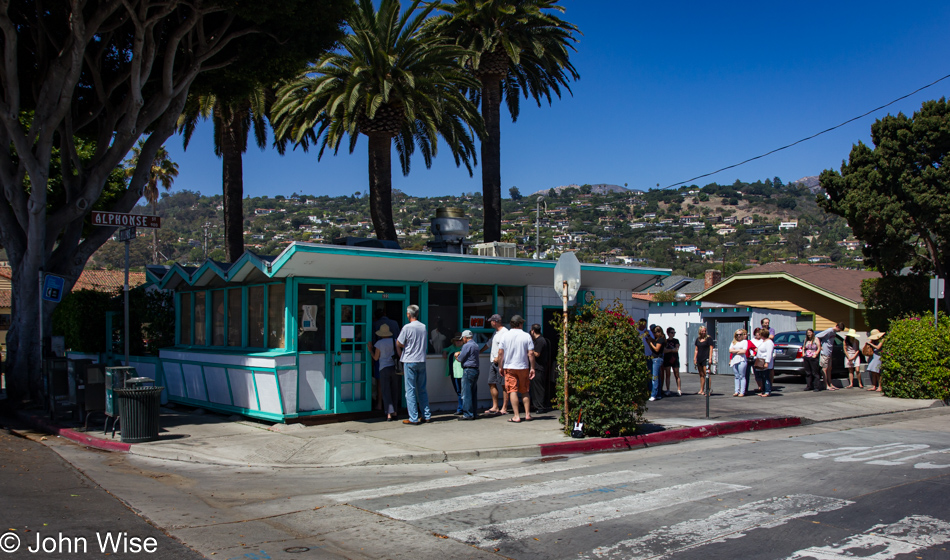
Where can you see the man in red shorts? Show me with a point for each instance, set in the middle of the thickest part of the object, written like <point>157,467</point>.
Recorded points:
<point>516,355</point>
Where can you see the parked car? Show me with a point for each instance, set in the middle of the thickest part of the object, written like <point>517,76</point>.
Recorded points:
<point>789,357</point>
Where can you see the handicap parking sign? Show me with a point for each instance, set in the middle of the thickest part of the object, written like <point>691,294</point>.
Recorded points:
<point>53,288</point>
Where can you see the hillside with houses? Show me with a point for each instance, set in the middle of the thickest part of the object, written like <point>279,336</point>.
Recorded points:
<point>686,229</point>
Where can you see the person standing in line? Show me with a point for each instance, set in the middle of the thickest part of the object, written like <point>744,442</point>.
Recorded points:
<point>380,319</point>
<point>738,360</point>
<point>852,359</point>
<point>657,346</point>
<point>827,338</point>
<point>646,335</point>
<point>764,361</point>
<point>468,357</point>
<point>701,357</point>
<point>411,344</point>
<point>874,367</point>
<point>764,323</point>
<point>383,352</point>
<point>516,355</point>
<point>755,341</point>
<point>449,353</point>
<point>811,348</point>
<point>542,361</point>
<point>671,362</point>
<point>496,383</point>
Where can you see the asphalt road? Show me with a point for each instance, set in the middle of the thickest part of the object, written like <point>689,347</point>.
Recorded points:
<point>45,499</point>
<point>866,488</point>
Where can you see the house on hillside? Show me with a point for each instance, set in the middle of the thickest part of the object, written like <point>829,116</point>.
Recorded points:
<point>821,296</point>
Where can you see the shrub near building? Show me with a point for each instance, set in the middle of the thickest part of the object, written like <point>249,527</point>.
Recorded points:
<point>607,373</point>
<point>916,358</point>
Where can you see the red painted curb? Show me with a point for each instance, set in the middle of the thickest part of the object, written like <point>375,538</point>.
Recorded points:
<point>79,437</point>
<point>589,445</point>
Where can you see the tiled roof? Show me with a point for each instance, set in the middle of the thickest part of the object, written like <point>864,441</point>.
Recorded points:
<point>843,282</point>
<point>101,280</point>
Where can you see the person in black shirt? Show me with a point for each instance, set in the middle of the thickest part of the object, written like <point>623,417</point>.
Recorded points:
<point>671,362</point>
<point>701,357</point>
<point>542,369</point>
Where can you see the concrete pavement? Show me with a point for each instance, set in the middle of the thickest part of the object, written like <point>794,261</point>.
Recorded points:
<point>195,436</point>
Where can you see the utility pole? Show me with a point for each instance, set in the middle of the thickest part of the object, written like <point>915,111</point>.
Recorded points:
<point>207,235</point>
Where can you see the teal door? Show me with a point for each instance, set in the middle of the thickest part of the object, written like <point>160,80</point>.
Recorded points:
<point>352,369</point>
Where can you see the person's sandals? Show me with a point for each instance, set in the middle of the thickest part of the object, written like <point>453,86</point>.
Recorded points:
<point>514,420</point>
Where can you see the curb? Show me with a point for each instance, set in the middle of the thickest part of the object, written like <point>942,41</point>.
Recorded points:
<point>47,426</point>
<point>667,436</point>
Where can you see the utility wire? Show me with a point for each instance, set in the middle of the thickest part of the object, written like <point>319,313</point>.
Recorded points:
<point>861,116</point>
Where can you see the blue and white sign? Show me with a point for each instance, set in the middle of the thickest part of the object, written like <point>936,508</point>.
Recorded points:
<point>53,288</point>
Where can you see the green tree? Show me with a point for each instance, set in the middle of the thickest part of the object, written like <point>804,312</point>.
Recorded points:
<point>106,73</point>
<point>391,83</point>
<point>163,172</point>
<point>237,100</point>
<point>515,193</point>
<point>896,195</point>
<point>515,48</point>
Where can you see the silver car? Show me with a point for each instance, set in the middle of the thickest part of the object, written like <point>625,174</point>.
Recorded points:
<point>789,357</point>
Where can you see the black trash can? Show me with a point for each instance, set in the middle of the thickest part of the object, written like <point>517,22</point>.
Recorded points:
<point>138,413</point>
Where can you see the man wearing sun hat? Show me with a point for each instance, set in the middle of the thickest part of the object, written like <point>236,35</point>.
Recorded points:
<point>874,368</point>
<point>468,357</point>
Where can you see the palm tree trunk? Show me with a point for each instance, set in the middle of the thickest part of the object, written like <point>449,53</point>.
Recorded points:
<point>381,186</point>
<point>232,182</point>
<point>491,156</point>
<point>155,233</point>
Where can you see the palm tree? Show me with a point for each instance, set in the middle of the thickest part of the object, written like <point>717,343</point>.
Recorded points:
<point>233,119</point>
<point>163,171</point>
<point>390,83</point>
<point>518,47</point>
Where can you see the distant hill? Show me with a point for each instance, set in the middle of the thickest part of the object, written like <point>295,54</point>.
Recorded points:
<point>600,188</point>
<point>811,182</point>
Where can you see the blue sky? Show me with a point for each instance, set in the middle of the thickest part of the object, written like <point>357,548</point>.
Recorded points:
<point>668,91</point>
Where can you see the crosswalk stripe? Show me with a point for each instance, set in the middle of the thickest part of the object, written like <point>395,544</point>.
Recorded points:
<point>888,541</point>
<point>497,497</point>
<point>451,482</point>
<point>572,517</point>
<point>729,524</point>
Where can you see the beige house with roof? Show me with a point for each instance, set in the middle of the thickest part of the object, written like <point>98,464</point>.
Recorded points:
<point>821,295</point>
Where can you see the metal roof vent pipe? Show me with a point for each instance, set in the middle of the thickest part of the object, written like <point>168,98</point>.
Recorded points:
<point>449,229</point>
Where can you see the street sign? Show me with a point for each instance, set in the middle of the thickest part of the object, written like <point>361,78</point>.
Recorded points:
<point>125,220</point>
<point>53,288</point>
<point>126,234</point>
<point>936,288</point>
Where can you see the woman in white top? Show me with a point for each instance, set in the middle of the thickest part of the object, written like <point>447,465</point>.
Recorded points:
<point>738,361</point>
<point>764,361</point>
<point>384,352</point>
<point>852,359</point>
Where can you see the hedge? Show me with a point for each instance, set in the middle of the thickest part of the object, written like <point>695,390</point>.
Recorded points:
<point>916,358</point>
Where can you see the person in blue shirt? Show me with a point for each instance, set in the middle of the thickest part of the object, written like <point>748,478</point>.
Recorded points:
<point>468,357</point>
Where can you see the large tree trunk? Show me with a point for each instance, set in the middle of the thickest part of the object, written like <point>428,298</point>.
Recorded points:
<point>491,156</point>
<point>381,185</point>
<point>233,143</point>
<point>155,233</point>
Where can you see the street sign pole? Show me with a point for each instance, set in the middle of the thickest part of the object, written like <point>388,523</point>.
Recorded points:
<point>936,292</point>
<point>42,350</point>
<point>128,234</point>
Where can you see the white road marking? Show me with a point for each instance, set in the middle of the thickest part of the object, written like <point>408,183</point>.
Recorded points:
<point>451,482</point>
<point>505,496</point>
<point>570,518</point>
<point>887,541</point>
<point>729,524</point>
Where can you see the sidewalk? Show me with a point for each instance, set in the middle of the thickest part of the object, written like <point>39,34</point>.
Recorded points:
<point>208,438</point>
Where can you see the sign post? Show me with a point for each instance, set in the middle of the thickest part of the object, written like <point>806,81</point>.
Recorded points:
<point>567,280</point>
<point>936,292</point>
<point>128,223</point>
<point>51,289</point>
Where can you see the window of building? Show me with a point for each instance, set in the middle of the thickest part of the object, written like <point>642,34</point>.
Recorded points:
<point>255,316</point>
<point>311,317</point>
<point>217,318</point>
<point>184,325</point>
<point>478,304</point>
<point>275,316</point>
<point>200,326</point>
<point>510,302</point>
<point>235,310</point>
<point>443,315</point>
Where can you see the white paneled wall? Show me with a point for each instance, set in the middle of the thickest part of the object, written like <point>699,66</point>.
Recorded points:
<point>540,297</point>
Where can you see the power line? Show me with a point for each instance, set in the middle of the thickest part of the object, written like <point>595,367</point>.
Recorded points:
<point>861,116</point>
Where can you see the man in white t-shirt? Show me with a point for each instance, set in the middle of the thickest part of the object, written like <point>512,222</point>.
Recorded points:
<point>496,383</point>
<point>517,357</point>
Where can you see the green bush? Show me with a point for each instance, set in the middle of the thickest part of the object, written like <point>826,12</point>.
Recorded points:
<point>607,373</point>
<point>894,296</point>
<point>916,358</point>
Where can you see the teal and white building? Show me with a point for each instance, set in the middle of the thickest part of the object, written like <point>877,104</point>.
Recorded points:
<point>283,338</point>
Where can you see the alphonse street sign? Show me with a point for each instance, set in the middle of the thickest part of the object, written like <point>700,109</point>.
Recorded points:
<point>117,219</point>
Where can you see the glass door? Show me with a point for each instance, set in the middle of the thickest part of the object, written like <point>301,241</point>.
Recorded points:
<point>351,361</point>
